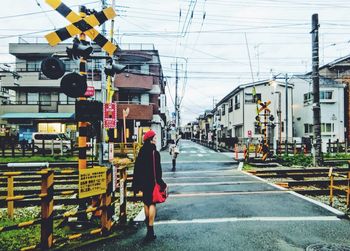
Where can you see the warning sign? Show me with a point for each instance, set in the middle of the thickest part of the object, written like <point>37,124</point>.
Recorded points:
<point>110,115</point>
<point>92,181</point>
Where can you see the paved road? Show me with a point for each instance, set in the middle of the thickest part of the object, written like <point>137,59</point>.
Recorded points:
<point>214,206</point>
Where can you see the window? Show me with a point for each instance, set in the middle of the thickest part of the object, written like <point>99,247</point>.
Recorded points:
<point>282,127</point>
<point>239,131</point>
<point>230,107</point>
<point>308,98</point>
<point>223,110</point>
<point>45,98</point>
<point>308,128</point>
<point>32,98</point>
<point>327,127</point>
<point>326,94</point>
<point>237,102</point>
<point>250,99</point>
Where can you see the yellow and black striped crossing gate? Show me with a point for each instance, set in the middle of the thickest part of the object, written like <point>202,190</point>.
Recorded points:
<point>81,25</point>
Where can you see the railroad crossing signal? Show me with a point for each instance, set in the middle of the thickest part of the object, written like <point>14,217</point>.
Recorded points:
<point>81,25</point>
<point>264,106</point>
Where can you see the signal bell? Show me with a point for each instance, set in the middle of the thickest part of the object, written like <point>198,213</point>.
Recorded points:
<point>112,69</point>
<point>74,85</point>
<point>79,50</point>
<point>53,68</point>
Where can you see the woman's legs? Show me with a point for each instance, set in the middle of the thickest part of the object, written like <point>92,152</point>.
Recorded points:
<point>146,208</point>
<point>151,214</point>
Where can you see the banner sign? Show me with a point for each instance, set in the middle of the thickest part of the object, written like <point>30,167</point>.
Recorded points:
<point>110,115</point>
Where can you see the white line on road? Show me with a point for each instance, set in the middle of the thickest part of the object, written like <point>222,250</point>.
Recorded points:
<point>202,161</point>
<point>226,193</point>
<point>203,171</point>
<point>205,177</point>
<point>236,219</point>
<point>214,183</point>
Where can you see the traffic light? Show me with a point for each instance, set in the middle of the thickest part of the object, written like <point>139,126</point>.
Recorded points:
<point>53,68</point>
<point>111,69</point>
<point>88,110</point>
<point>80,49</point>
<point>73,85</point>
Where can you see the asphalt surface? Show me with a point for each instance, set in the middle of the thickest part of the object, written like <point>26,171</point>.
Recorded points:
<point>214,206</point>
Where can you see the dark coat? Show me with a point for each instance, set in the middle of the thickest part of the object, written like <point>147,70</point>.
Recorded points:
<point>144,172</point>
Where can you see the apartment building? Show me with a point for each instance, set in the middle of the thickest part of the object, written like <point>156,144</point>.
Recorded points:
<point>141,90</point>
<point>332,94</point>
<point>39,105</point>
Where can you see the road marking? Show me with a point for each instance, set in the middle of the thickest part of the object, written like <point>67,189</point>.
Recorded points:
<point>203,171</point>
<point>329,208</point>
<point>214,183</point>
<point>202,161</point>
<point>236,219</point>
<point>200,155</point>
<point>226,193</point>
<point>206,177</point>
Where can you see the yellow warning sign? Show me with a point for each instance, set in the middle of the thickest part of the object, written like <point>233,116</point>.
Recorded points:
<point>92,181</point>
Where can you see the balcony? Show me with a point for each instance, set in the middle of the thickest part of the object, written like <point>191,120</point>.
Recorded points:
<point>36,107</point>
<point>136,111</point>
<point>132,81</point>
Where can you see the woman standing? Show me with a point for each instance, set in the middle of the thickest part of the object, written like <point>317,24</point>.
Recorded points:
<point>147,160</point>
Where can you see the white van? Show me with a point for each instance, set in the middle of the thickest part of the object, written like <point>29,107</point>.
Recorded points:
<point>57,139</point>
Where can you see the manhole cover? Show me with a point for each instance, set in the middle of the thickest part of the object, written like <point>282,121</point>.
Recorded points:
<point>327,247</point>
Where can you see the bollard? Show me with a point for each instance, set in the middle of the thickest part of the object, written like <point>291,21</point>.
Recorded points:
<point>47,182</point>
<point>236,151</point>
<point>330,175</point>
<point>107,212</point>
<point>122,201</point>
<point>10,193</point>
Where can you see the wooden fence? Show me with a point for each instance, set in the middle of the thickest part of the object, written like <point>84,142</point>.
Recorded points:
<point>49,186</point>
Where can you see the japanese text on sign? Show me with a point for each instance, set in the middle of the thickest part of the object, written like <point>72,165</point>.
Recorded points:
<point>110,115</point>
<point>92,181</point>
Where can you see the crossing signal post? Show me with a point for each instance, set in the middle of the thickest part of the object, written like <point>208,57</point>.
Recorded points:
<point>265,112</point>
<point>75,84</point>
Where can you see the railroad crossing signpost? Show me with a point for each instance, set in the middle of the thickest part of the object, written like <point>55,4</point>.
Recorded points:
<point>82,24</point>
<point>265,125</point>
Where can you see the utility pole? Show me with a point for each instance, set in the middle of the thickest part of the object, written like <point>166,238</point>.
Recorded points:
<point>176,99</point>
<point>316,90</point>
<point>286,94</point>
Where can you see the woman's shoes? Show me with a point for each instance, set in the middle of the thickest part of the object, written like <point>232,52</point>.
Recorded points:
<point>150,236</point>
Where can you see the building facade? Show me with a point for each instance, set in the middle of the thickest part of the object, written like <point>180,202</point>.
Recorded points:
<point>141,91</point>
<point>332,96</point>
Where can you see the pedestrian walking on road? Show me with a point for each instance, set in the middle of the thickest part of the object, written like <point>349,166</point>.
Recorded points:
<point>144,179</point>
<point>174,152</point>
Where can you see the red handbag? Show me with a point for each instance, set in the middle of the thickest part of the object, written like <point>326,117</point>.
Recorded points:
<point>158,196</point>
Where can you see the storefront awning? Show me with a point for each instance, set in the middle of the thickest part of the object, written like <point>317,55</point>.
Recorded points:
<point>32,115</point>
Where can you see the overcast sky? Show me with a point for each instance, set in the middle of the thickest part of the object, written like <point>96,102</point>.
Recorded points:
<point>210,39</point>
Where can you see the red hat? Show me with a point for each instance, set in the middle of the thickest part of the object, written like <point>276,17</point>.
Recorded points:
<point>148,135</point>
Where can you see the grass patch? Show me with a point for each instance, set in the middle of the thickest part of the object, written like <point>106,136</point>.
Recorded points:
<point>336,156</point>
<point>37,159</point>
<point>247,167</point>
<point>296,160</point>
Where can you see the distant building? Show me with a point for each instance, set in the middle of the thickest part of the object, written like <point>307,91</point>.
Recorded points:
<point>235,113</point>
